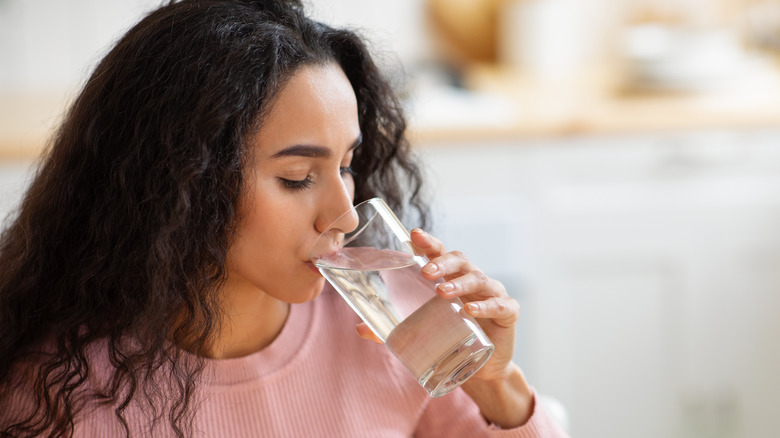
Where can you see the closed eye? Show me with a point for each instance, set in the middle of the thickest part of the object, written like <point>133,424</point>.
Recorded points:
<point>292,184</point>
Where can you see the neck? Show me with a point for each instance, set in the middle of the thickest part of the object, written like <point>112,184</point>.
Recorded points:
<point>252,321</point>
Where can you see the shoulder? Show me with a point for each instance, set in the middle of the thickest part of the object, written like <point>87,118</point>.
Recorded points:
<point>35,382</point>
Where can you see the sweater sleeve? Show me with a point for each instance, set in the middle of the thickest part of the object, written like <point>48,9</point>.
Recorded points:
<point>456,415</point>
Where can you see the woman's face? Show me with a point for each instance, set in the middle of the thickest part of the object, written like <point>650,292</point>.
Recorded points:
<point>298,184</point>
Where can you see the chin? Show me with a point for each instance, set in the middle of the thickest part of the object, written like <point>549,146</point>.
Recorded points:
<point>313,291</point>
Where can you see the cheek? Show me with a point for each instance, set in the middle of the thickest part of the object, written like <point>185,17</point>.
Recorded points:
<point>257,237</point>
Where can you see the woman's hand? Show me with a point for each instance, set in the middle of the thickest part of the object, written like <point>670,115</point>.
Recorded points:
<point>485,299</point>
<point>499,387</point>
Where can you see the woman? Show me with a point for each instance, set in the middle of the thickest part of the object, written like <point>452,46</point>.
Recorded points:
<point>156,280</point>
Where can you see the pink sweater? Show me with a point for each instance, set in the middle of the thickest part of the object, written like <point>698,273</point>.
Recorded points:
<point>319,379</point>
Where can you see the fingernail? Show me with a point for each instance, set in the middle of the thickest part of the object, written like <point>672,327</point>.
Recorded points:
<point>473,307</point>
<point>446,287</point>
<point>417,231</point>
<point>430,268</point>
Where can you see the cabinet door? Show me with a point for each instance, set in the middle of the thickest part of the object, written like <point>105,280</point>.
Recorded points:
<point>607,338</point>
<point>646,272</point>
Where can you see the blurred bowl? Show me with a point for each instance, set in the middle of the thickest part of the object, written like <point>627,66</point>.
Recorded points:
<point>674,58</point>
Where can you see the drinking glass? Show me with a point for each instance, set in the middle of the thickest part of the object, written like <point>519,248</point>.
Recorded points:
<point>367,255</point>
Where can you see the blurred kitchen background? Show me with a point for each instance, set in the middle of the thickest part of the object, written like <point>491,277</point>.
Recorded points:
<point>616,163</point>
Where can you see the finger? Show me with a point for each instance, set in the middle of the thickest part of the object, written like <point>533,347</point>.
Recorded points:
<point>450,265</point>
<point>504,311</point>
<point>366,333</point>
<point>425,244</point>
<point>472,283</point>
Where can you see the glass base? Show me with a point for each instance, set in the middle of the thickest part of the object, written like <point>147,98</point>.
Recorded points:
<point>456,366</point>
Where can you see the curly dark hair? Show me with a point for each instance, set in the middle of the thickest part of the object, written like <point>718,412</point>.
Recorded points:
<point>149,156</point>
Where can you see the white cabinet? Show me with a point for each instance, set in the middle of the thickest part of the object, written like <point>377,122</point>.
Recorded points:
<point>15,176</point>
<point>648,269</point>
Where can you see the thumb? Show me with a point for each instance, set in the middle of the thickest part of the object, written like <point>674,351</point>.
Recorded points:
<point>365,332</point>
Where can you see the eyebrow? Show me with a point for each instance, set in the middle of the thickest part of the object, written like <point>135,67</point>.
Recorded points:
<point>312,151</point>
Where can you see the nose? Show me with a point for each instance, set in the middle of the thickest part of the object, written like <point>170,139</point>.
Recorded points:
<point>336,210</point>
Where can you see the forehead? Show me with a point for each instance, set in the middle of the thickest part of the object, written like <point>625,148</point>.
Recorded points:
<point>316,106</point>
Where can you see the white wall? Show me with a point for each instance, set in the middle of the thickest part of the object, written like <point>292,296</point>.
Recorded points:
<point>51,45</point>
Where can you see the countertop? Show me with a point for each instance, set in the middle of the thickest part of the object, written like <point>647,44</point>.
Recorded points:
<point>500,105</point>
<point>599,101</point>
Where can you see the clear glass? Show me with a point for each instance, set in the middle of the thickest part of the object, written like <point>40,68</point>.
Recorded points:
<point>366,254</point>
